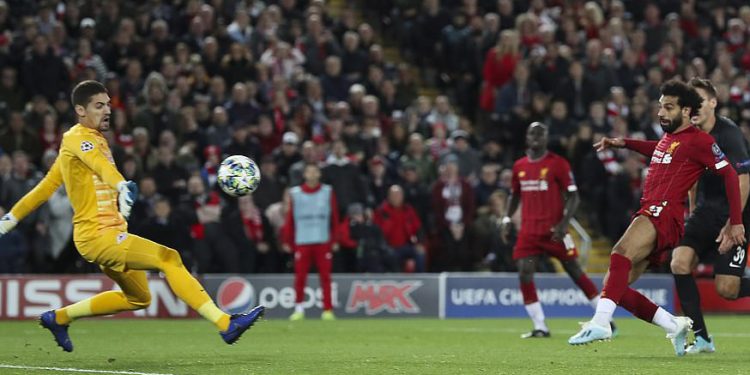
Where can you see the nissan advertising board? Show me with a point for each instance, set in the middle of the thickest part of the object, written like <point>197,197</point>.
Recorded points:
<point>25,297</point>
<point>353,295</point>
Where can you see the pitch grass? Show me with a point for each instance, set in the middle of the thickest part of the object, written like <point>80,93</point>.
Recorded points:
<point>385,346</point>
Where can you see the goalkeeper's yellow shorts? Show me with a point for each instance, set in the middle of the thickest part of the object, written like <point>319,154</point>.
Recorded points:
<point>120,251</point>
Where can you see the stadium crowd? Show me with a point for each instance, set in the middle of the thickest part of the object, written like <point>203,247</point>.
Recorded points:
<point>287,84</point>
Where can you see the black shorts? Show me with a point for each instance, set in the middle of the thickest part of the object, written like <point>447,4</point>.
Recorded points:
<point>701,230</point>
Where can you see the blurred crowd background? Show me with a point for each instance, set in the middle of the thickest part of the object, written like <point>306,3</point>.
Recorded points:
<point>431,96</point>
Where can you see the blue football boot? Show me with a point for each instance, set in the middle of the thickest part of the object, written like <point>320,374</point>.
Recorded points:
<point>701,345</point>
<point>679,336</point>
<point>59,331</point>
<point>239,323</point>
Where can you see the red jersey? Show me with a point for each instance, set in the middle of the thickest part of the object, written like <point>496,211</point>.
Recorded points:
<point>677,161</point>
<point>540,184</point>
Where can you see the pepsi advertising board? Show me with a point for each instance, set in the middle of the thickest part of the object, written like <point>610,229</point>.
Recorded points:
<point>352,295</point>
<point>498,295</point>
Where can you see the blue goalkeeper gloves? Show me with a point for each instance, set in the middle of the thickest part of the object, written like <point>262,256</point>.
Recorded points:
<point>128,193</point>
<point>7,223</point>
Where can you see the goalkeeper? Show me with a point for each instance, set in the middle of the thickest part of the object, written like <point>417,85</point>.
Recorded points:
<point>96,189</point>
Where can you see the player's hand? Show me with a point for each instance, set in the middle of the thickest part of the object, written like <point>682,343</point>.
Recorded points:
<point>505,225</point>
<point>7,223</point>
<point>606,143</point>
<point>559,231</point>
<point>128,193</point>
<point>730,236</point>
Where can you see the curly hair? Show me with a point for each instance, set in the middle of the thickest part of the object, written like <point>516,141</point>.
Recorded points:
<point>686,95</point>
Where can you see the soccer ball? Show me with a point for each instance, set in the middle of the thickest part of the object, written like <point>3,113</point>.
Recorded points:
<point>238,175</point>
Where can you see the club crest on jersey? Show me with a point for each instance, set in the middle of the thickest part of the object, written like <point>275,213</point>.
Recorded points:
<point>665,157</point>
<point>718,154</point>
<point>86,146</point>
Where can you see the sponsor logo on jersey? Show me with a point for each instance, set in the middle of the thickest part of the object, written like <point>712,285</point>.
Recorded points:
<point>236,295</point>
<point>121,237</point>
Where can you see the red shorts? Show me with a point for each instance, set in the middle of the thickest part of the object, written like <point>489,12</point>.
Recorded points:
<point>669,222</point>
<point>529,245</point>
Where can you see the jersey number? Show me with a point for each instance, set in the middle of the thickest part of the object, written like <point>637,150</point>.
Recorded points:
<point>739,256</point>
<point>655,210</point>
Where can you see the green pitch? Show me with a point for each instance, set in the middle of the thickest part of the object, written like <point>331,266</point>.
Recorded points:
<point>358,347</point>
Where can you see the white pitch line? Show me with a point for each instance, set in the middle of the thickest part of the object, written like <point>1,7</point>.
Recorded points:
<point>2,365</point>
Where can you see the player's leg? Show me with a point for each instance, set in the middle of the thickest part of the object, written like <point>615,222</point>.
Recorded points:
<point>633,248</point>
<point>302,261</point>
<point>526,269</point>
<point>324,261</point>
<point>684,260</point>
<point>729,269</point>
<point>134,295</point>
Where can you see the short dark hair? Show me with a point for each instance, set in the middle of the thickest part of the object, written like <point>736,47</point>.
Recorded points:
<point>83,92</point>
<point>686,95</point>
<point>703,84</point>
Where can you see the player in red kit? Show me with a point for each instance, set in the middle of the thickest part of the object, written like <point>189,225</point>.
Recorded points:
<point>677,161</point>
<point>309,231</point>
<point>544,182</point>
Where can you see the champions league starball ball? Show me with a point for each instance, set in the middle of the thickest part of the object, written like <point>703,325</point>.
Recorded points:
<point>238,175</point>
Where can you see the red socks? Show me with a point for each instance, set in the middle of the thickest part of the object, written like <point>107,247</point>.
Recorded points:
<point>587,286</point>
<point>528,290</point>
<point>639,305</point>
<point>617,283</point>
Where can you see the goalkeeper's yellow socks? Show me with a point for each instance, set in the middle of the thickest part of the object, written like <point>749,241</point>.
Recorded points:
<point>188,289</point>
<point>105,303</point>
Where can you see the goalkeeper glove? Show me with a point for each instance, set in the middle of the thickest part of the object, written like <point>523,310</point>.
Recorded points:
<point>128,193</point>
<point>7,223</point>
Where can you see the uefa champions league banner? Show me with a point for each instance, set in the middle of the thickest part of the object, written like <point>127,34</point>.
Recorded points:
<point>497,295</point>
<point>381,295</point>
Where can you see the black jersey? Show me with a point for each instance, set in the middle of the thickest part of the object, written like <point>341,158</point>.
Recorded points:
<point>732,142</point>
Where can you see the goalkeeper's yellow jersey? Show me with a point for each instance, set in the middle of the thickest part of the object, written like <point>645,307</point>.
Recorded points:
<point>86,167</point>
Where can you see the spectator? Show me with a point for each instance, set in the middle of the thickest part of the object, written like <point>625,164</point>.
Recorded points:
<point>401,227</point>
<point>309,156</point>
<point>453,209</point>
<point>12,95</point>
<point>488,184</point>
<point>171,179</point>
<point>468,157</point>
<point>212,250</point>
<point>344,178</point>
<point>19,137</point>
<point>272,187</point>
<point>363,241</point>
<point>154,114</point>
<point>252,235</point>
<point>310,231</point>
<point>499,67</point>
<point>13,248</point>
<point>241,144</point>
<point>143,208</point>
<point>419,158</point>
<point>44,73</point>
<point>335,84</point>
<point>242,108</point>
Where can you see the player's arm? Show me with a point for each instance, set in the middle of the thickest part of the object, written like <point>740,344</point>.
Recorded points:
<point>33,199</point>
<point>85,149</point>
<point>645,148</point>
<point>736,150</point>
<point>569,192</point>
<point>514,200</point>
<point>287,230</point>
<point>710,155</point>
